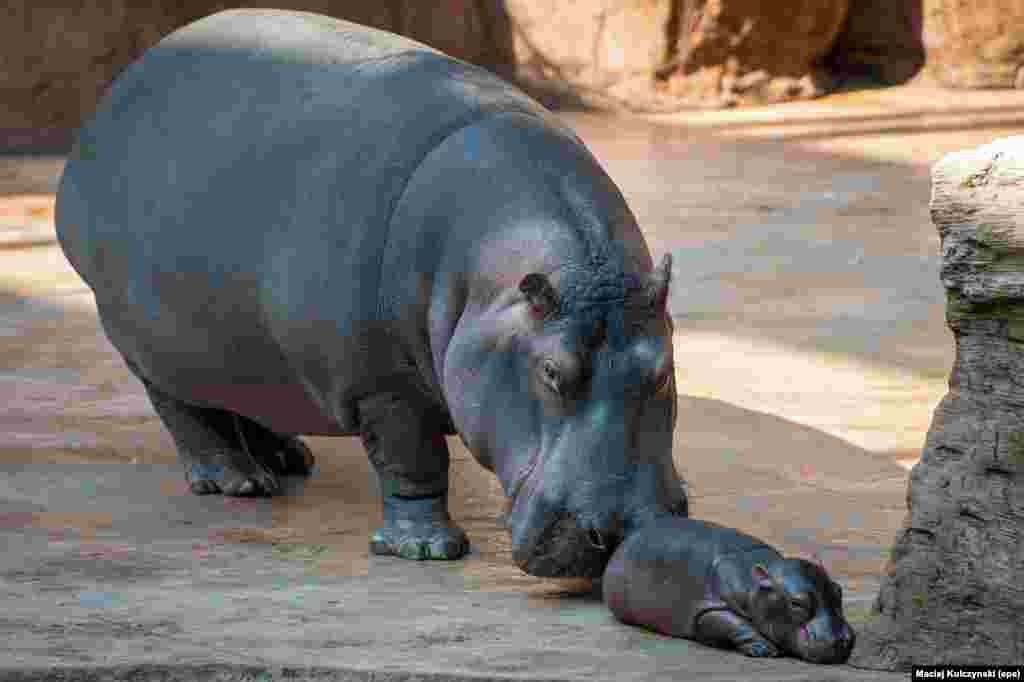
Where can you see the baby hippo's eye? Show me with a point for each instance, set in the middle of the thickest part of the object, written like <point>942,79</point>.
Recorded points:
<point>801,607</point>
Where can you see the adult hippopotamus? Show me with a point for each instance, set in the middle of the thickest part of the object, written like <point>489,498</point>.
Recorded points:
<point>297,225</point>
<point>702,581</point>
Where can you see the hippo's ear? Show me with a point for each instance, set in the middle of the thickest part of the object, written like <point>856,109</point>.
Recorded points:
<point>541,295</point>
<point>657,287</point>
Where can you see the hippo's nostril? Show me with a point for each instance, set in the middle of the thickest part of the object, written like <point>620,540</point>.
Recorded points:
<point>596,539</point>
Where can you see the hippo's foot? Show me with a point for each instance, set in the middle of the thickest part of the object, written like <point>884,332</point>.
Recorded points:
<point>228,472</point>
<point>721,627</point>
<point>418,529</point>
<point>406,446</point>
<point>210,447</point>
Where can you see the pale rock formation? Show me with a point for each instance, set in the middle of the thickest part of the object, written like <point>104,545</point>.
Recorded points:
<point>954,585</point>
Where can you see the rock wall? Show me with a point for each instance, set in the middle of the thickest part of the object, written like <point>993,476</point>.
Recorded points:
<point>751,51</point>
<point>58,57</point>
<point>665,54</point>
<point>882,41</point>
<point>605,50</point>
<point>954,588</point>
<point>634,54</point>
<point>975,43</point>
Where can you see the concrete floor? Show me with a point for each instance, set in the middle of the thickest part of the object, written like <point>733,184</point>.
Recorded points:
<point>811,349</point>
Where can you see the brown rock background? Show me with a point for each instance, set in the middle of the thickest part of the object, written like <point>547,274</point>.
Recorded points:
<point>881,41</point>
<point>975,43</point>
<point>747,50</point>
<point>58,58</point>
<point>605,50</point>
<point>632,54</point>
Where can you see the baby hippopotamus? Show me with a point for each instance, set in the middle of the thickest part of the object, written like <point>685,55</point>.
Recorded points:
<point>702,581</point>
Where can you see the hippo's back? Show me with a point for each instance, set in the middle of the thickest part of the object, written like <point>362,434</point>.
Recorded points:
<point>238,172</point>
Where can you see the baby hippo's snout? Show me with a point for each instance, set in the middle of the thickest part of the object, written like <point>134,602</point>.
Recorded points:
<point>826,639</point>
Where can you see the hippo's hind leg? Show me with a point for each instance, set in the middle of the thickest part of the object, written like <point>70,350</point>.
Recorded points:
<point>285,455</point>
<point>407,448</point>
<point>729,629</point>
<point>210,448</point>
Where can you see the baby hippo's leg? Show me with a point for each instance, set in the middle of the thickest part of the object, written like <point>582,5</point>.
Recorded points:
<point>725,628</point>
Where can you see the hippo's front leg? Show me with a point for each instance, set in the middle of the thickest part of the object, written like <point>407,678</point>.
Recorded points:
<point>407,448</point>
<point>726,628</point>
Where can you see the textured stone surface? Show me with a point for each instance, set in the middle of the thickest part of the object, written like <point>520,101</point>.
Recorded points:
<point>747,50</point>
<point>644,55</point>
<point>601,47</point>
<point>975,43</point>
<point>954,588</point>
<point>881,41</point>
<point>57,60</point>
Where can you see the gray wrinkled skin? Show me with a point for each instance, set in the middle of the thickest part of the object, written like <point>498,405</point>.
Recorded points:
<point>298,225</point>
<point>702,581</point>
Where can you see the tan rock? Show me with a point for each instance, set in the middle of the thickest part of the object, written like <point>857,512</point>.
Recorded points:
<point>954,586</point>
<point>589,43</point>
<point>722,42</point>
<point>57,61</point>
<point>646,55</point>
<point>974,43</point>
<point>881,41</point>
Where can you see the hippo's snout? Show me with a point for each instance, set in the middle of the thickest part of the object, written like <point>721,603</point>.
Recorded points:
<point>565,547</point>
<point>826,640</point>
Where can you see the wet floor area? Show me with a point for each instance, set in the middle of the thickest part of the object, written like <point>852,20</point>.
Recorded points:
<point>811,349</point>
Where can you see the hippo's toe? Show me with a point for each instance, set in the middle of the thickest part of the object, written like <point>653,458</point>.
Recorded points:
<point>206,479</point>
<point>419,542</point>
<point>759,648</point>
<point>204,486</point>
<point>248,487</point>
